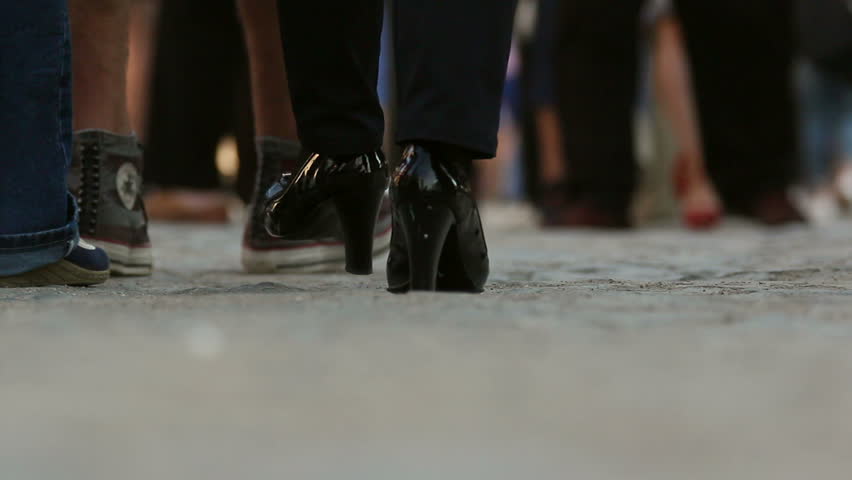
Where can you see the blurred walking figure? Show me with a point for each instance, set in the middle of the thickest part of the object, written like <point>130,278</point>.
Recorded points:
<point>827,133</point>
<point>199,95</point>
<point>701,206</point>
<point>106,171</point>
<point>825,77</point>
<point>552,164</point>
<point>39,236</point>
<point>744,106</point>
<point>149,37</point>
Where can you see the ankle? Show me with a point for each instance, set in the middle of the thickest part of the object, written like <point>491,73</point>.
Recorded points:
<point>449,154</point>
<point>266,143</point>
<point>115,123</point>
<point>101,131</point>
<point>276,153</point>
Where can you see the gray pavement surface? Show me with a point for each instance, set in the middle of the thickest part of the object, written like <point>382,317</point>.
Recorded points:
<point>655,355</point>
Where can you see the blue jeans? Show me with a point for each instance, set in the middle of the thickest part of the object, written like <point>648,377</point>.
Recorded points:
<point>826,123</point>
<point>38,218</point>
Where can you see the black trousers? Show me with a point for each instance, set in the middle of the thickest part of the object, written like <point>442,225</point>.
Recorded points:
<point>741,53</point>
<point>450,58</point>
<point>200,92</point>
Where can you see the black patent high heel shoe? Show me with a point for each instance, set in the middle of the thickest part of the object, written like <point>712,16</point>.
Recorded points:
<point>438,242</point>
<point>353,185</point>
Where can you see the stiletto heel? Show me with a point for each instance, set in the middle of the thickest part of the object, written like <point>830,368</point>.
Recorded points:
<point>352,185</point>
<point>425,226</point>
<point>437,243</point>
<point>358,209</point>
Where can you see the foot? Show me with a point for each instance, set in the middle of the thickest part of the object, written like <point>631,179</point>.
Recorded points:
<point>588,214</point>
<point>321,247</point>
<point>552,204</point>
<point>106,176</point>
<point>324,251</point>
<point>701,206</point>
<point>820,206</point>
<point>774,208</point>
<point>86,265</point>
<point>843,182</point>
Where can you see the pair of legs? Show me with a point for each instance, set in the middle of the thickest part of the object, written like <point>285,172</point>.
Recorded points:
<point>743,93</point>
<point>38,218</point>
<point>450,58</point>
<point>224,41</point>
<point>193,108</point>
<point>102,35</point>
<point>451,61</point>
<point>671,74</point>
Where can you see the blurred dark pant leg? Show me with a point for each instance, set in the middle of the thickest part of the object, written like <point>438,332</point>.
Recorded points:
<point>597,74</point>
<point>331,48</point>
<point>529,127</point>
<point>200,92</point>
<point>742,54</point>
<point>451,60</point>
<point>37,216</point>
<point>538,84</point>
<point>242,126</point>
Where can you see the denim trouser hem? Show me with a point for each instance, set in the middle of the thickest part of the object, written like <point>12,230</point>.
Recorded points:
<point>25,252</point>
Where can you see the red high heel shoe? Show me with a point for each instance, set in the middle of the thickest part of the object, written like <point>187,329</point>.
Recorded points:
<point>703,214</point>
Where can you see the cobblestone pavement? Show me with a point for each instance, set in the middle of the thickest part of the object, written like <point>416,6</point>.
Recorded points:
<point>652,355</point>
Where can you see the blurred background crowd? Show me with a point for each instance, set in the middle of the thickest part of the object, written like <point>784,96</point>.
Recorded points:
<point>618,113</point>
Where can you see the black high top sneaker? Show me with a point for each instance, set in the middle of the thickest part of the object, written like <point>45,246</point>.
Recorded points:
<point>321,249</point>
<point>106,177</point>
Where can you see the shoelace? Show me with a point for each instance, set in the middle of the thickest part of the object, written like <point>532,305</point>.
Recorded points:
<point>90,182</point>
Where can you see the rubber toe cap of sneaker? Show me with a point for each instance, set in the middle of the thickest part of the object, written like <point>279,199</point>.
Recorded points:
<point>89,257</point>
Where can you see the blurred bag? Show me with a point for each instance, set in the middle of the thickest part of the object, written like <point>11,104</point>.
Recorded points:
<point>825,29</point>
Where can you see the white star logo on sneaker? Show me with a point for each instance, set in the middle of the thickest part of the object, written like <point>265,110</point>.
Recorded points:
<point>127,182</point>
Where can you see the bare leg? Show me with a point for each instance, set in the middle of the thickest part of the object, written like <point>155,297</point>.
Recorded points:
<point>700,201</point>
<point>143,24</point>
<point>100,36</point>
<point>553,172</point>
<point>550,146</point>
<point>674,88</point>
<point>112,212</point>
<point>273,113</point>
<point>491,183</point>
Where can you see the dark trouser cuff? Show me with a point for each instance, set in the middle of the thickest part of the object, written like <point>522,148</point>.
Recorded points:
<point>479,146</point>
